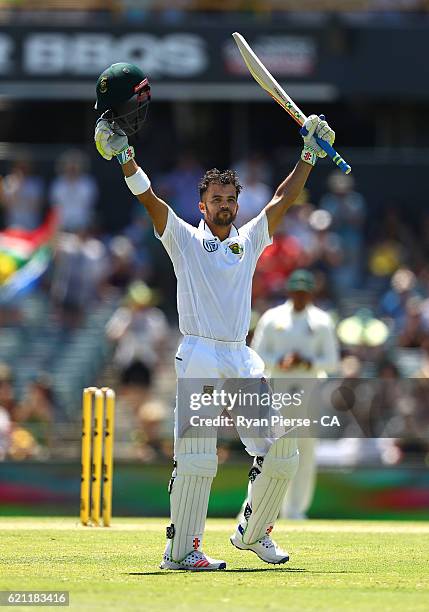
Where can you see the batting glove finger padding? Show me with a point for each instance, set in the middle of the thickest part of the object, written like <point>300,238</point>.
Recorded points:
<point>101,137</point>
<point>109,139</point>
<point>316,126</point>
<point>325,132</point>
<point>310,124</point>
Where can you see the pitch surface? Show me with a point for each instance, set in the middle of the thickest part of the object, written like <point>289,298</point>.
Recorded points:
<point>335,565</point>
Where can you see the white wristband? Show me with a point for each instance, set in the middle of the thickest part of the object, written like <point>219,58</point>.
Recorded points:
<point>138,183</point>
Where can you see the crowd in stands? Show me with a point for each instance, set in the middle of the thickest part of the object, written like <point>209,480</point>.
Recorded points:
<point>178,12</point>
<point>372,277</point>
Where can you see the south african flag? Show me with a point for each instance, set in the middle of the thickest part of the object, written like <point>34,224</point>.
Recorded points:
<point>24,257</point>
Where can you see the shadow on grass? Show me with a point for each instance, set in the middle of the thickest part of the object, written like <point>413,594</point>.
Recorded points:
<point>227,571</point>
<point>286,570</point>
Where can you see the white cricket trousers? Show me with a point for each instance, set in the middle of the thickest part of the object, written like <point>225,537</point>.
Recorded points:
<point>214,360</point>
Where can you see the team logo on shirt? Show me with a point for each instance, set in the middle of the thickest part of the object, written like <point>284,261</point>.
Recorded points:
<point>210,245</point>
<point>236,248</point>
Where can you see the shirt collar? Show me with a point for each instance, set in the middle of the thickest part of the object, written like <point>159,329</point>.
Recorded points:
<point>204,229</point>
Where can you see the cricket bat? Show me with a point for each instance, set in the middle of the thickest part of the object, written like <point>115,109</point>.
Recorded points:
<point>268,82</point>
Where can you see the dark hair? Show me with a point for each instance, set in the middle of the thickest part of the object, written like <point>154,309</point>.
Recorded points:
<point>216,177</point>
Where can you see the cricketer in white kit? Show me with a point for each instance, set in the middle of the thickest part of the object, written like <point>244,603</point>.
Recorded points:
<point>214,265</point>
<point>297,340</point>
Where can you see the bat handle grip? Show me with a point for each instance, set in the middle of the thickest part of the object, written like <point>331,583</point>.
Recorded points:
<point>336,157</point>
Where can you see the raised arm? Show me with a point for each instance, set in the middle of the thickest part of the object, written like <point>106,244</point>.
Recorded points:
<point>286,194</point>
<point>113,142</point>
<point>288,191</point>
<point>156,208</point>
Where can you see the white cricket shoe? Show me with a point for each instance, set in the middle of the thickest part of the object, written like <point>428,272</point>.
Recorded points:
<point>196,561</point>
<point>265,548</point>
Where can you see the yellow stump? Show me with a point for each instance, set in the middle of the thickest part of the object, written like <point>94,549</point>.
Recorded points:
<point>86,455</point>
<point>109,424</point>
<point>98,420</point>
<point>97,450</point>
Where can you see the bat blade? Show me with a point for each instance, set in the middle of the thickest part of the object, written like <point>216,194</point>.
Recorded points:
<point>266,80</point>
<point>263,77</point>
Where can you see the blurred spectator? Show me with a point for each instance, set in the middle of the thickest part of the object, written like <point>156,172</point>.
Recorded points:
<point>393,244</point>
<point>37,409</point>
<point>5,432</point>
<point>393,302</point>
<point>348,211</point>
<point>323,297</point>
<point>384,258</point>
<point>423,370</point>
<point>411,445</point>
<point>21,196</point>
<point>388,392</point>
<point>151,262</point>
<point>274,266</point>
<point>80,269</point>
<point>151,446</point>
<point>294,245</point>
<point>421,385</point>
<point>7,394</point>
<point>424,235</point>
<point>22,445</point>
<point>296,223</point>
<point>350,367</point>
<point>140,233</point>
<point>122,262</point>
<point>7,404</point>
<point>412,330</point>
<point>179,185</point>
<point>328,252</point>
<point>256,194</point>
<point>255,160</point>
<point>16,443</point>
<point>74,192</point>
<point>140,331</point>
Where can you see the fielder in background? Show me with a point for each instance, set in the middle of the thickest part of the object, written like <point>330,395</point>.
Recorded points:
<point>214,264</point>
<point>297,340</point>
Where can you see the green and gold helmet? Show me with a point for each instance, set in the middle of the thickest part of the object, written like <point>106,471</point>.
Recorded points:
<point>124,90</point>
<point>301,280</point>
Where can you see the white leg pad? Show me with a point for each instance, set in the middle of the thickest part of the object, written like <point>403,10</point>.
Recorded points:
<point>189,496</point>
<point>267,488</point>
<point>300,491</point>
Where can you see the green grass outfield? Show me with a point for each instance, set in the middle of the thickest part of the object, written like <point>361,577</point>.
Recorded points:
<point>335,565</point>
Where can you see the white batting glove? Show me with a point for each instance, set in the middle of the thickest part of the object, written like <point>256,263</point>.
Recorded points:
<point>109,139</point>
<point>316,126</point>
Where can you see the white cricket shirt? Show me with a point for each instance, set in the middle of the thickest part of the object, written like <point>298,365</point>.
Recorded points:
<point>214,277</point>
<point>311,333</point>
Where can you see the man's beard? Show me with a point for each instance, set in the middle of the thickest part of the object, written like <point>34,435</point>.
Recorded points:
<point>224,220</point>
